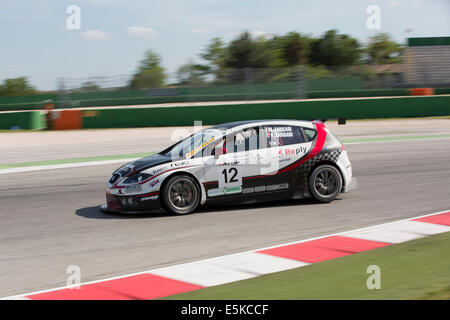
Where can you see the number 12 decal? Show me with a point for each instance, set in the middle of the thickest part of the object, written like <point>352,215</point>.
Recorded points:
<point>231,176</point>
<point>233,172</point>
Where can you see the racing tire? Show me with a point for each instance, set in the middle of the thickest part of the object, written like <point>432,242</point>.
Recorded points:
<point>325,183</point>
<point>180,195</point>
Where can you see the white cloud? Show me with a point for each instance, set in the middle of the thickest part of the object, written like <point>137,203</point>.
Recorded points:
<point>147,33</point>
<point>200,31</point>
<point>95,35</point>
<point>261,33</point>
<point>394,2</point>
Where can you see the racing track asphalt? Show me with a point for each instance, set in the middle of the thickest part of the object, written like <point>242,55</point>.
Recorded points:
<point>50,219</point>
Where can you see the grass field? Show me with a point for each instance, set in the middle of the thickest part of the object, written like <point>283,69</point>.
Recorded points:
<point>418,269</point>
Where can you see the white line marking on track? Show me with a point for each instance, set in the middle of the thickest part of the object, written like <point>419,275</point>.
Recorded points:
<point>395,140</point>
<point>399,231</point>
<point>232,256</point>
<point>64,165</point>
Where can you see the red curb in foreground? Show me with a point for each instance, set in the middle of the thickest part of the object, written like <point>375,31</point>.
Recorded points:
<point>324,249</point>
<point>443,218</point>
<point>140,287</point>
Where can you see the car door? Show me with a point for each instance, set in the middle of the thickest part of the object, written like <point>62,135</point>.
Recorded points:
<point>226,172</point>
<point>285,146</point>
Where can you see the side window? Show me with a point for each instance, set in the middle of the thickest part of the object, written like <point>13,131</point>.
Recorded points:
<point>244,140</point>
<point>282,135</point>
<point>294,138</point>
<point>310,134</point>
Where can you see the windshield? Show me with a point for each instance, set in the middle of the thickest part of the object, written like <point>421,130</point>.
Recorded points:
<point>191,145</point>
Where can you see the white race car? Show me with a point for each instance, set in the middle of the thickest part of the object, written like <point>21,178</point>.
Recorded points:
<point>238,162</point>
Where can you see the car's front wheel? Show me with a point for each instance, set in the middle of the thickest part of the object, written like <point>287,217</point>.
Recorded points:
<point>325,183</point>
<point>180,195</point>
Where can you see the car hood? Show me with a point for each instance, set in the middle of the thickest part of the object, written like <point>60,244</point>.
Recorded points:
<point>142,164</point>
<point>150,161</point>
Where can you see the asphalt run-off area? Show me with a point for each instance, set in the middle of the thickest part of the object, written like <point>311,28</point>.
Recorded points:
<point>50,218</point>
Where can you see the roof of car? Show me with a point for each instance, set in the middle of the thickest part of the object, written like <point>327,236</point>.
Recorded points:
<point>230,125</point>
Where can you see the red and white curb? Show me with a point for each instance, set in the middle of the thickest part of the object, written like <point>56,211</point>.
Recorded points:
<point>191,276</point>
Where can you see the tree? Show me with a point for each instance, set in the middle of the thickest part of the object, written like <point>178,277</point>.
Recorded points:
<point>191,74</point>
<point>150,73</point>
<point>245,52</point>
<point>16,87</point>
<point>214,53</point>
<point>334,50</point>
<point>382,50</point>
<point>295,48</point>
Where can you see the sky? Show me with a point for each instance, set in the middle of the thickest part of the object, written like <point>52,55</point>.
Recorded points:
<point>114,34</point>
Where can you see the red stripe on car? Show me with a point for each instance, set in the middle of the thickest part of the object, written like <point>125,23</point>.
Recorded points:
<point>320,141</point>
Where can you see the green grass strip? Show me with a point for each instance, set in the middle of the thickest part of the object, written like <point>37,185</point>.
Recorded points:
<point>397,138</point>
<point>418,269</point>
<point>75,160</point>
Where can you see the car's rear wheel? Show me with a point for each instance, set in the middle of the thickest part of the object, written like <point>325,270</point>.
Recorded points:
<point>325,183</point>
<point>180,195</point>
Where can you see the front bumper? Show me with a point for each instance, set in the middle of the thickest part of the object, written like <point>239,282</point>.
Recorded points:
<point>131,203</point>
<point>351,185</point>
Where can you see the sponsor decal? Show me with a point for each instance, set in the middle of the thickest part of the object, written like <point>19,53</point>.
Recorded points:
<point>156,171</point>
<point>133,188</point>
<point>277,132</point>
<point>224,191</point>
<point>154,183</point>
<point>283,186</point>
<point>248,190</point>
<point>149,198</point>
<point>233,163</point>
<point>231,190</point>
<point>215,192</point>
<point>272,187</point>
<point>179,164</point>
<point>301,150</point>
<point>292,151</point>
<point>260,189</point>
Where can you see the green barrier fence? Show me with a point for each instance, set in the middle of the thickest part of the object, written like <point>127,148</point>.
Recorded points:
<point>30,102</point>
<point>442,91</point>
<point>357,93</point>
<point>429,41</point>
<point>24,120</point>
<point>214,114</point>
<point>272,91</point>
<point>333,84</point>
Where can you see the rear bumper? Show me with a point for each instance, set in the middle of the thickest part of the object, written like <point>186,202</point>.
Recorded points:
<point>351,185</point>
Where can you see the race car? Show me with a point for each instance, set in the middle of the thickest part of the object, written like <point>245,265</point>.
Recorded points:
<point>237,162</point>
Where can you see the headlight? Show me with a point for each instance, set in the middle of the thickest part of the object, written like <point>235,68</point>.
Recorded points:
<point>136,178</point>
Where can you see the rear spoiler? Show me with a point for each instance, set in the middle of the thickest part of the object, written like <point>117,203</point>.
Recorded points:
<point>340,121</point>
